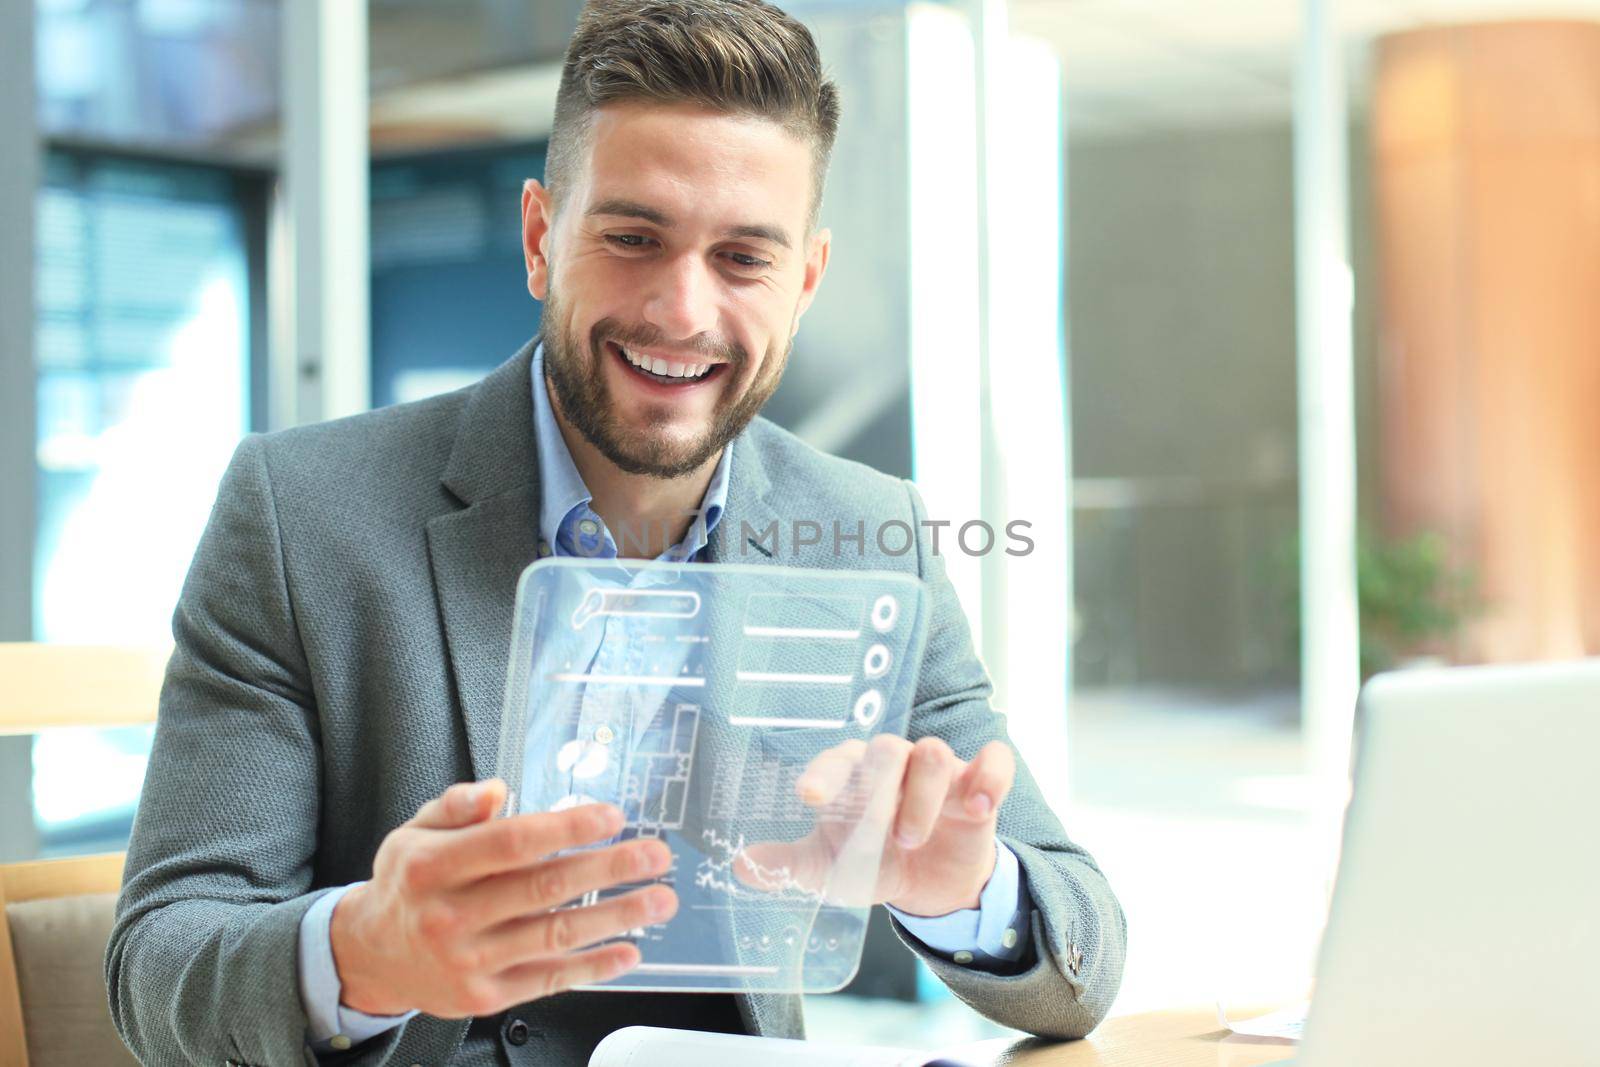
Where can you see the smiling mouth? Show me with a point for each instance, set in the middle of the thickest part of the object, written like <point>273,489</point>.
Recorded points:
<point>666,372</point>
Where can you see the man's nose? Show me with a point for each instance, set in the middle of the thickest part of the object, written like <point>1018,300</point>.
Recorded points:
<point>682,300</point>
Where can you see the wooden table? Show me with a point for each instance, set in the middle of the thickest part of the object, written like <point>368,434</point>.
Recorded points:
<point>1180,1038</point>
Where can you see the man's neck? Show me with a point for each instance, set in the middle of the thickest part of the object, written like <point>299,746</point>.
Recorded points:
<point>646,515</point>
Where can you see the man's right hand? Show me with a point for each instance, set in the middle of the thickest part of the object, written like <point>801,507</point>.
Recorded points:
<point>457,919</point>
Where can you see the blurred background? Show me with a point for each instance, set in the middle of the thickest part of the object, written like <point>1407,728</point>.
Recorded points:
<point>1274,318</point>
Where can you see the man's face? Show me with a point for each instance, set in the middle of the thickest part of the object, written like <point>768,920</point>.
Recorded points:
<point>682,247</point>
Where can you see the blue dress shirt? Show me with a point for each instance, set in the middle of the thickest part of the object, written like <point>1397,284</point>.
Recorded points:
<point>994,933</point>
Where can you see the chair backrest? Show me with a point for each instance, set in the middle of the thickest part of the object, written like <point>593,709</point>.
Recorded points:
<point>56,920</point>
<point>47,686</point>
<point>55,916</point>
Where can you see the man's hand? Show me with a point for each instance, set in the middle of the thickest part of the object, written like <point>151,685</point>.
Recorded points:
<point>457,918</point>
<point>930,812</point>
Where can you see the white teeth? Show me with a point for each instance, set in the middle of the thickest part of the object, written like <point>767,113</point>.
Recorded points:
<point>664,368</point>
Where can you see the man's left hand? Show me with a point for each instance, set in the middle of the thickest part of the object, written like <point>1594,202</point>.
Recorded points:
<point>938,810</point>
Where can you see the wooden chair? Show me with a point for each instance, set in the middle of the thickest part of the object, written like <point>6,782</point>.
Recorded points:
<point>53,1009</point>
<point>55,915</point>
<point>47,686</point>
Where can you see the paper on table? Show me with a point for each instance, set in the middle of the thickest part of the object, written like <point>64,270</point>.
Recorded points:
<point>1287,1023</point>
<point>654,1046</point>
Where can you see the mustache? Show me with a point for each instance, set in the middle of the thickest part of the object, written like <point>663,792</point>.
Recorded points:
<point>641,335</point>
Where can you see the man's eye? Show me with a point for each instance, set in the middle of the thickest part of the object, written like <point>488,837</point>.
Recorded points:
<point>749,262</point>
<point>627,240</point>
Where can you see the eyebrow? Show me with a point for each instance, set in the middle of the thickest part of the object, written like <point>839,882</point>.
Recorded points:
<point>632,209</point>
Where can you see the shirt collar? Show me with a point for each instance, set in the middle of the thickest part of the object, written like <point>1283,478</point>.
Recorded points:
<point>562,493</point>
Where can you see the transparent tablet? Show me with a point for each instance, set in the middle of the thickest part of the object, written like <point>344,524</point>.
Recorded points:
<point>694,697</point>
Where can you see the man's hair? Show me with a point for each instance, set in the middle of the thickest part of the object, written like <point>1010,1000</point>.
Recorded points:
<point>743,57</point>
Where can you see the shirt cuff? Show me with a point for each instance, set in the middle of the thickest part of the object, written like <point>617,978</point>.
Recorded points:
<point>996,928</point>
<point>333,1027</point>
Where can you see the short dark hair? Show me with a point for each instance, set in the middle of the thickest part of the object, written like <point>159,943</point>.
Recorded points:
<point>743,57</point>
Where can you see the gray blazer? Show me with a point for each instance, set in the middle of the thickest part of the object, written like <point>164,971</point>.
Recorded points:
<point>341,655</point>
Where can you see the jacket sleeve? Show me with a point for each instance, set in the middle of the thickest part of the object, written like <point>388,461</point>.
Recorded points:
<point>202,962</point>
<point>1078,929</point>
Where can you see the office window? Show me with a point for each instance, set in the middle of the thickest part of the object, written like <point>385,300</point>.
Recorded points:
<point>449,291</point>
<point>143,346</point>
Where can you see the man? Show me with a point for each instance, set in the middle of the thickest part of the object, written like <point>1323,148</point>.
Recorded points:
<point>304,881</point>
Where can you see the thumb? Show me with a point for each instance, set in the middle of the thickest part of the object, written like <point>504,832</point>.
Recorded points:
<point>463,804</point>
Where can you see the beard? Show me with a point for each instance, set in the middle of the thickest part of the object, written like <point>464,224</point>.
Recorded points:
<point>575,369</point>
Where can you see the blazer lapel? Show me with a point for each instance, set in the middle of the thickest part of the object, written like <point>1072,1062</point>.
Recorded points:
<point>478,552</point>
<point>743,533</point>
<point>477,555</point>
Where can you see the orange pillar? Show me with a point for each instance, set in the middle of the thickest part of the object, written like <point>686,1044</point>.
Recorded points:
<point>1486,164</point>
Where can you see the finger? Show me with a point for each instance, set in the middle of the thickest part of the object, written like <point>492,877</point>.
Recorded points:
<point>515,894</point>
<point>883,769</point>
<point>885,759</point>
<point>983,786</point>
<point>534,981</point>
<point>463,856</point>
<point>772,866</point>
<point>559,933</point>
<point>463,804</point>
<point>929,774</point>
<point>858,854</point>
<point>753,864</point>
<point>829,772</point>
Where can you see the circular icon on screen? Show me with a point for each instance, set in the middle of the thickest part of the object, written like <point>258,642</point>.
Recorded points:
<point>869,706</point>
<point>877,662</point>
<point>885,610</point>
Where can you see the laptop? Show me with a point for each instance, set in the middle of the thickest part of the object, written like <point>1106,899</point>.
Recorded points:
<point>1465,924</point>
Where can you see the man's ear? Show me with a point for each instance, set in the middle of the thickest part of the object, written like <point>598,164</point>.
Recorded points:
<point>537,220</point>
<point>821,244</point>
